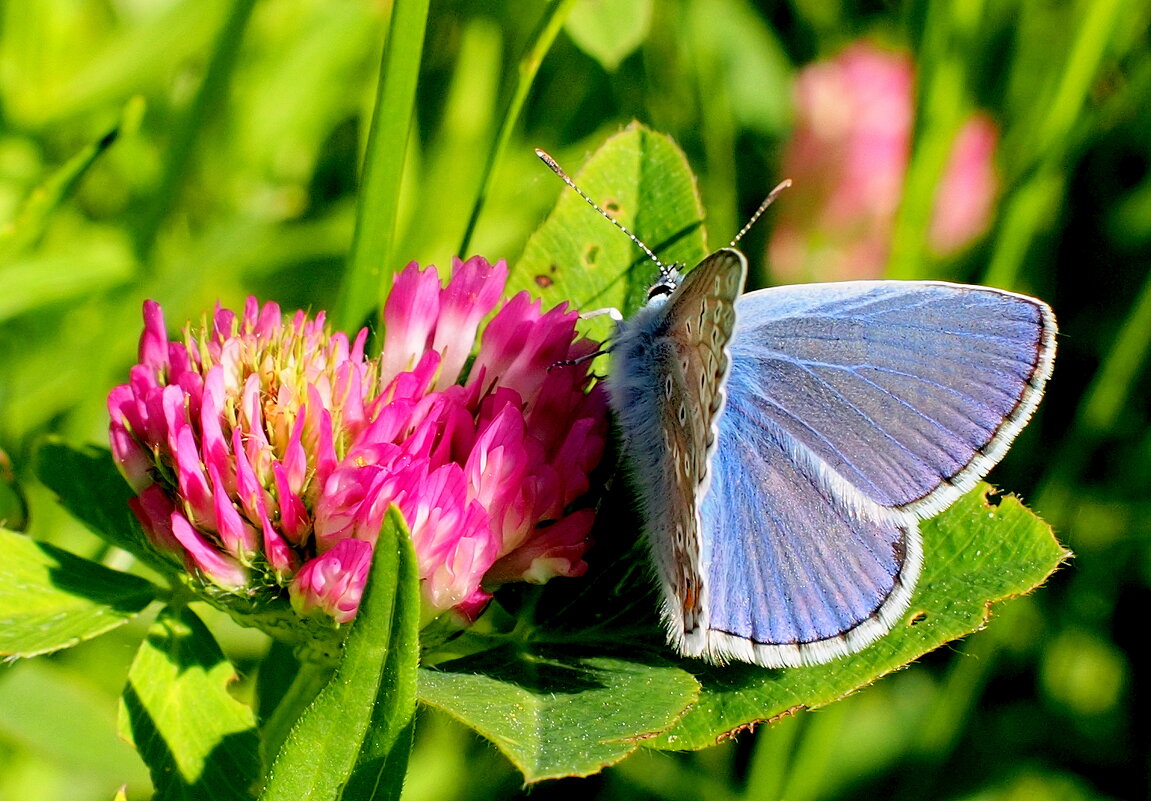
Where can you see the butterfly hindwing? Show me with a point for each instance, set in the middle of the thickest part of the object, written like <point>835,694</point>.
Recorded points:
<point>795,572</point>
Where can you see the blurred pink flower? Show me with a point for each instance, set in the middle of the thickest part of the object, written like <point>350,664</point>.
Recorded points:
<point>265,451</point>
<point>966,196</point>
<point>848,159</point>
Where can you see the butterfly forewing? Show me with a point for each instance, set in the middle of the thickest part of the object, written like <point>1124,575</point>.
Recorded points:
<point>910,391</point>
<point>670,363</point>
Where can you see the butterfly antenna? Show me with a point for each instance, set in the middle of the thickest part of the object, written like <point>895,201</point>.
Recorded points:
<point>558,170</point>
<point>784,184</point>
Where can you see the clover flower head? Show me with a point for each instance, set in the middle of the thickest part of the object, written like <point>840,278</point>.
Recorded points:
<point>265,449</point>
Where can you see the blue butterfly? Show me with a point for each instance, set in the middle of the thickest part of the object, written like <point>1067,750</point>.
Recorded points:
<point>786,442</point>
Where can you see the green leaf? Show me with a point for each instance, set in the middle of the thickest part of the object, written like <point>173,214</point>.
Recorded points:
<point>197,740</point>
<point>643,180</point>
<point>90,487</point>
<point>354,739</point>
<point>609,30</point>
<point>51,599</point>
<point>977,553</point>
<point>559,712</point>
<point>33,218</point>
<point>60,711</point>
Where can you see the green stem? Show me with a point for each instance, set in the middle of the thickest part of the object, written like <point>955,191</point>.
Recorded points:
<point>188,131</point>
<point>379,200</point>
<point>310,679</point>
<point>538,47</point>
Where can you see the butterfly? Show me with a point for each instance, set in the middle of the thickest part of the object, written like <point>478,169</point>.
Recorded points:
<point>785,444</point>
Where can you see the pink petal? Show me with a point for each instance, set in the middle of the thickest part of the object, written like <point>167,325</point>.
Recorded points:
<point>153,508</point>
<point>409,319</point>
<point>471,294</point>
<point>154,340</point>
<point>294,519</point>
<point>333,582</point>
<point>192,479</point>
<point>221,570</point>
<point>236,535</point>
<point>555,550</point>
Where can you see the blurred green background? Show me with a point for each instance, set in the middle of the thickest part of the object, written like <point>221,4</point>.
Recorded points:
<point>240,128</point>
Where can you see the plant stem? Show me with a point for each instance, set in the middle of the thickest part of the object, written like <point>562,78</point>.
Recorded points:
<point>383,170</point>
<point>541,41</point>
<point>310,679</point>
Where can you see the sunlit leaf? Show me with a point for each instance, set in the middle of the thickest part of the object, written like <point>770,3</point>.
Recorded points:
<point>51,599</point>
<point>976,554</point>
<point>642,179</point>
<point>197,740</point>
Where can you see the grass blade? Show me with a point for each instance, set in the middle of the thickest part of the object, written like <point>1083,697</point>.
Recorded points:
<point>541,41</point>
<point>383,169</point>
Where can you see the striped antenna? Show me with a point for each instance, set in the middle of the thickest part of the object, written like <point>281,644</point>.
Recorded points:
<point>558,170</point>
<point>784,184</point>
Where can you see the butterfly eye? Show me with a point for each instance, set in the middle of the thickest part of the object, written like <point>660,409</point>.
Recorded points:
<point>660,290</point>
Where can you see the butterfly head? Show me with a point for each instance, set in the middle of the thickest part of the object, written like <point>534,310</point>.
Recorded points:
<point>662,289</point>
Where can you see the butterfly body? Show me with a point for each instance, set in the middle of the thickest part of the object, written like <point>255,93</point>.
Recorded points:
<point>785,443</point>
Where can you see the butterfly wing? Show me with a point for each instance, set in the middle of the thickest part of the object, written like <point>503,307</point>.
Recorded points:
<point>908,391</point>
<point>669,364</point>
<point>852,410</point>
<point>796,572</point>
